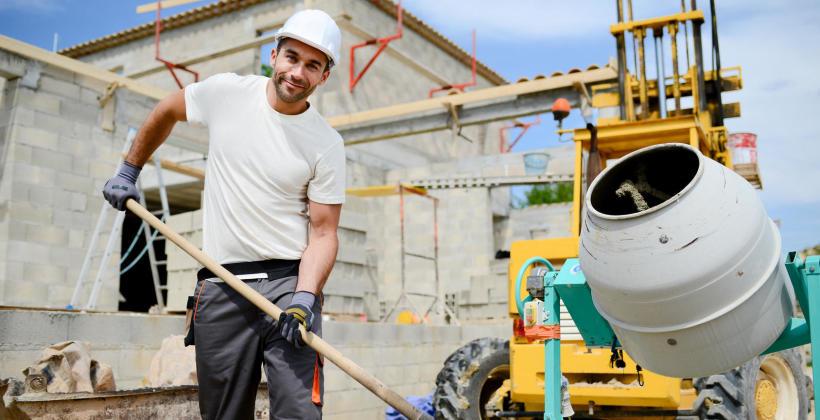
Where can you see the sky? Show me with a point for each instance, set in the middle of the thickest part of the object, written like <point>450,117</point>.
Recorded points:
<point>774,43</point>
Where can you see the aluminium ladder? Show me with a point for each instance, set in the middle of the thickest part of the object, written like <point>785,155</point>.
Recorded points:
<point>114,234</point>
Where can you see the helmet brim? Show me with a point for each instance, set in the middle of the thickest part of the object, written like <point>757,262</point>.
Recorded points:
<point>283,34</point>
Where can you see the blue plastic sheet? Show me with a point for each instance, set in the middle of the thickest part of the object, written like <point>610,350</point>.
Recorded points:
<point>425,404</point>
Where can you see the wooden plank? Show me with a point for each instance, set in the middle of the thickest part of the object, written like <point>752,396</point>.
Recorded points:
<point>514,89</point>
<point>383,191</point>
<point>76,66</point>
<point>178,168</point>
<point>150,7</point>
<point>254,43</point>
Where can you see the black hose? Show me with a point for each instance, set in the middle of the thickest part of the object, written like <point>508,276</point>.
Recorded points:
<point>716,65</point>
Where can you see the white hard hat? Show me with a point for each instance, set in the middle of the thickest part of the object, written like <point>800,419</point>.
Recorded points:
<point>315,28</point>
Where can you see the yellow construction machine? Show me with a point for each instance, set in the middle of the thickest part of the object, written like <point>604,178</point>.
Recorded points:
<point>492,378</point>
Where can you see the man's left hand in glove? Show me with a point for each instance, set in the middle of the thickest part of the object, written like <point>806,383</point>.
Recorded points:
<point>298,312</point>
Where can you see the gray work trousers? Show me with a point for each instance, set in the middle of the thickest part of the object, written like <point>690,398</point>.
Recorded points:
<point>234,338</point>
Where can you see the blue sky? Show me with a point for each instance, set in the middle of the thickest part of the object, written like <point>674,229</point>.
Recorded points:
<point>775,44</point>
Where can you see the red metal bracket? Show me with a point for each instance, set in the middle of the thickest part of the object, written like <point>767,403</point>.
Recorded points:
<point>171,66</point>
<point>461,86</point>
<point>382,45</point>
<point>524,127</point>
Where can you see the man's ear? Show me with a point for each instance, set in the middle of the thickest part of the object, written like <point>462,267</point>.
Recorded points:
<point>325,75</point>
<point>272,56</point>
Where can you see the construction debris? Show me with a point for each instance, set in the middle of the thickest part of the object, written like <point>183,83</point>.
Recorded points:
<point>68,367</point>
<point>173,365</point>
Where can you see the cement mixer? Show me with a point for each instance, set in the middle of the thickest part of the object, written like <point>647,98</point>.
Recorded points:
<point>680,266</point>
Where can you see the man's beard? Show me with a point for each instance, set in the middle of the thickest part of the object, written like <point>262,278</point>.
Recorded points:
<point>283,94</point>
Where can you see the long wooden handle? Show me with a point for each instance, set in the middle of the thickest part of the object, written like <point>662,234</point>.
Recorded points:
<point>350,367</point>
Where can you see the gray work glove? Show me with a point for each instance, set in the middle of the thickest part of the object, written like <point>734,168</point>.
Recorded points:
<point>122,186</point>
<point>298,312</point>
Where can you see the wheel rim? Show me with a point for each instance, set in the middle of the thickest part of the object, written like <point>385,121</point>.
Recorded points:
<point>776,396</point>
<point>494,379</point>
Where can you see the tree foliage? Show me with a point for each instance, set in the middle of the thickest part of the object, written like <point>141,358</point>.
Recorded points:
<point>267,70</point>
<point>546,194</point>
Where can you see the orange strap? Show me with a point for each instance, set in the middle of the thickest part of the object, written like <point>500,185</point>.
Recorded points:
<point>316,396</point>
<point>542,332</point>
<point>197,298</point>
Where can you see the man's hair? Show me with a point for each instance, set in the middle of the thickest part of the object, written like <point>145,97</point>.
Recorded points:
<point>284,41</point>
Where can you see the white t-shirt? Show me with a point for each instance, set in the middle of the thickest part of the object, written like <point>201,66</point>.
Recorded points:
<point>262,168</point>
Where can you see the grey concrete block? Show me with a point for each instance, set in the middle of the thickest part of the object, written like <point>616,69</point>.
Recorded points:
<point>58,87</point>
<point>26,212</point>
<point>76,238</point>
<point>38,101</point>
<point>75,111</point>
<point>75,183</point>
<point>51,159</point>
<point>46,234</point>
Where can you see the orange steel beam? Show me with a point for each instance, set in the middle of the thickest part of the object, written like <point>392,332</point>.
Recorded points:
<point>382,45</point>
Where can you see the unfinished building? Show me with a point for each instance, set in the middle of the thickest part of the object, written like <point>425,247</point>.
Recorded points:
<point>64,120</point>
<point>65,131</point>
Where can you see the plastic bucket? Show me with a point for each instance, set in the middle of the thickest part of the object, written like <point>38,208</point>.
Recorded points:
<point>536,163</point>
<point>743,147</point>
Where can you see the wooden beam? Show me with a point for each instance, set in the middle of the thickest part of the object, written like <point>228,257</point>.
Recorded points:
<point>150,7</point>
<point>383,190</point>
<point>489,94</point>
<point>177,167</point>
<point>254,43</point>
<point>27,50</point>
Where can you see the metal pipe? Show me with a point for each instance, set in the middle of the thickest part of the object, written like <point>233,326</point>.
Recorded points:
<point>716,66</point>
<point>673,35</point>
<point>659,70</point>
<point>685,32</point>
<point>621,47</point>
<point>698,61</point>
<point>634,47</point>
<point>640,33</point>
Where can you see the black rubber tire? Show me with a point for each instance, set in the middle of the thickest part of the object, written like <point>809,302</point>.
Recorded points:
<point>463,385</point>
<point>731,395</point>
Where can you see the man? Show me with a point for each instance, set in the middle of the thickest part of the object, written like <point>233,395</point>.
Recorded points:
<point>274,166</point>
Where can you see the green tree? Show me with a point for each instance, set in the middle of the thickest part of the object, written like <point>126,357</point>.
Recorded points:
<point>546,194</point>
<point>267,70</point>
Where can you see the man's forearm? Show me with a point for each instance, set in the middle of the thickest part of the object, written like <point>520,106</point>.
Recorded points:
<point>317,261</point>
<point>157,127</point>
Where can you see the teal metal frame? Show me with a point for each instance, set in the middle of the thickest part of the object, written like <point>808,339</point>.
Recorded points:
<point>569,284</point>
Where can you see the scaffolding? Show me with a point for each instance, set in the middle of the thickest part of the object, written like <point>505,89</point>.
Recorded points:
<point>405,294</point>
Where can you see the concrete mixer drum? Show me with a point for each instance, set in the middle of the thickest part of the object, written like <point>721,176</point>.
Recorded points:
<point>683,262</point>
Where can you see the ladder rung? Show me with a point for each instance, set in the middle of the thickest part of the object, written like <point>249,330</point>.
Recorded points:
<point>161,262</point>
<point>419,256</point>
<point>156,212</point>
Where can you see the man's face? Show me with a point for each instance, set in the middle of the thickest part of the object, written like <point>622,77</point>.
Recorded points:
<point>297,70</point>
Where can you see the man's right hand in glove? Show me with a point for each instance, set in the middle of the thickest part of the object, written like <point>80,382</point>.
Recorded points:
<point>298,312</point>
<point>122,186</point>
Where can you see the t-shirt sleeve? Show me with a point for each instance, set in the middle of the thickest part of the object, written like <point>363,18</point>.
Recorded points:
<point>328,183</point>
<point>202,97</point>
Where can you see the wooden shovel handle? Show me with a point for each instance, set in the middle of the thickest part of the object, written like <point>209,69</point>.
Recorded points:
<point>314,341</point>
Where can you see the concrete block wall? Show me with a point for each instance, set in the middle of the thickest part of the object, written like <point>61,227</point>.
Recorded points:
<point>56,158</point>
<point>407,358</point>
<point>472,224</point>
